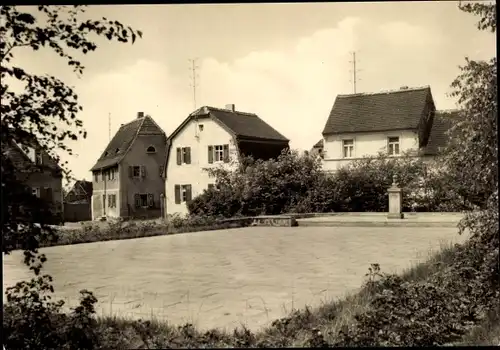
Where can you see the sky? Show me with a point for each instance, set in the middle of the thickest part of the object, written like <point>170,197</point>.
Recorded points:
<point>284,62</point>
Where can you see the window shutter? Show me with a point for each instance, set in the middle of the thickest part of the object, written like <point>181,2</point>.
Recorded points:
<point>188,193</point>
<point>42,193</point>
<point>210,154</point>
<point>188,155</point>
<point>179,156</point>
<point>226,153</point>
<point>137,200</point>
<point>143,171</point>
<point>177,194</point>
<point>130,171</point>
<point>151,201</point>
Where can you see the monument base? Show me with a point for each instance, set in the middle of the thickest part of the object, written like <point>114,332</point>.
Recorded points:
<point>395,216</point>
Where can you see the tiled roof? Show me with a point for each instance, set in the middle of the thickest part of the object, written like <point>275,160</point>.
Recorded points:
<point>120,143</point>
<point>319,144</point>
<point>443,121</point>
<point>20,159</point>
<point>246,125</point>
<point>85,185</point>
<point>391,110</point>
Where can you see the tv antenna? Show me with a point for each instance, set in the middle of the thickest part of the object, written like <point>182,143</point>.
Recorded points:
<point>109,126</point>
<point>194,75</point>
<point>354,72</point>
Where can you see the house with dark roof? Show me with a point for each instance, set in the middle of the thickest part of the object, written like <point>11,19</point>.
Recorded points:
<point>81,191</point>
<point>35,168</point>
<point>210,137</point>
<point>391,122</point>
<point>317,149</point>
<point>128,176</point>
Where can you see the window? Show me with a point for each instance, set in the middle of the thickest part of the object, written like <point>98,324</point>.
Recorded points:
<point>183,155</point>
<point>348,148</point>
<point>200,127</point>
<point>218,153</point>
<point>38,158</point>
<point>183,193</point>
<point>151,149</point>
<point>144,200</point>
<point>135,171</point>
<point>393,146</point>
<point>211,187</point>
<point>111,200</point>
<point>96,176</point>
<point>36,191</point>
<point>111,174</point>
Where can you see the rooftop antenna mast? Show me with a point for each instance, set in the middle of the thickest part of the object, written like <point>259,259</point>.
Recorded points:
<point>354,71</point>
<point>109,125</point>
<point>194,75</point>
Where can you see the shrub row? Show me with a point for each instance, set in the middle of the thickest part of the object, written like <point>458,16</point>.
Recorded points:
<point>97,232</point>
<point>296,183</point>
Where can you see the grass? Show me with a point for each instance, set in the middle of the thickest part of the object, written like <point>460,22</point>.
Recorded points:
<point>296,330</point>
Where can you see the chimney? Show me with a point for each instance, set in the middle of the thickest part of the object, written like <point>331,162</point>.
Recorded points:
<point>231,107</point>
<point>140,115</point>
<point>403,88</point>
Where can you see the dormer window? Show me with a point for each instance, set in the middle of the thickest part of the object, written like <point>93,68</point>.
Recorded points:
<point>106,153</point>
<point>200,127</point>
<point>117,150</point>
<point>151,149</point>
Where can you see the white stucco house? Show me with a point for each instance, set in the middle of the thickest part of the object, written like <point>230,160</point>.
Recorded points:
<point>392,122</point>
<point>210,137</point>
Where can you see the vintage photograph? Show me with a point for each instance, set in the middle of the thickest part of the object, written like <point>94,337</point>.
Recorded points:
<point>249,175</point>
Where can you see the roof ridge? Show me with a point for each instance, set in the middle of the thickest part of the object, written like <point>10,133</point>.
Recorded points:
<point>230,111</point>
<point>392,91</point>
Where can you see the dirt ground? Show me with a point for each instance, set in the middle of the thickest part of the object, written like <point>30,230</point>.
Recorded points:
<point>226,278</point>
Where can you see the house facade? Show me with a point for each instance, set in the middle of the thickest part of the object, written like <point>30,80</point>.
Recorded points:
<point>393,122</point>
<point>128,176</point>
<point>37,169</point>
<point>211,137</point>
<point>77,202</point>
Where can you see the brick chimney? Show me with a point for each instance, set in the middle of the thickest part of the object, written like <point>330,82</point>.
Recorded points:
<point>140,115</point>
<point>231,107</point>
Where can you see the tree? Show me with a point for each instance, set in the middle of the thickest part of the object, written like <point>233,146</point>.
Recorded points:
<point>44,103</point>
<point>472,155</point>
<point>42,109</point>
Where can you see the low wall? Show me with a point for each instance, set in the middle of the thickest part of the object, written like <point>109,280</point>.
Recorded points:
<point>266,220</point>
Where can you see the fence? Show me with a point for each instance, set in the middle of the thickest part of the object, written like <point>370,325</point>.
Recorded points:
<point>74,212</point>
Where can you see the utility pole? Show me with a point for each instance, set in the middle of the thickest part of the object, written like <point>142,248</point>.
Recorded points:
<point>354,71</point>
<point>193,67</point>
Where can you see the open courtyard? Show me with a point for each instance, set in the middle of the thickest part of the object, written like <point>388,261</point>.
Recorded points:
<point>226,278</point>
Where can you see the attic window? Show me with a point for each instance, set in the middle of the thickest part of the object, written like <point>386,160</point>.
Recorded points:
<point>117,150</point>
<point>200,127</point>
<point>106,153</point>
<point>151,149</point>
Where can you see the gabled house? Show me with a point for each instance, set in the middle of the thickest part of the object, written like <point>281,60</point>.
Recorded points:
<point>37,169</point>
<point>81,191</point>
<point>127,177</point>
<point>317,149</point>
<point>207,138</point>
<point>365,124</point>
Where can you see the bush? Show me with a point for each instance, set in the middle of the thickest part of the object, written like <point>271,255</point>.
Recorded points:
<point>296,183</point>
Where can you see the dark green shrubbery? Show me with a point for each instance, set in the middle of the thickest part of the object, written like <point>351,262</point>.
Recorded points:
<point>296,183</point>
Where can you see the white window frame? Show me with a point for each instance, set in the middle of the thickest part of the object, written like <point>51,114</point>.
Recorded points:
<point>183,154</point>
<point>218,151</point>
<point>348,144</point>
<point>392,151</point>
<point>36,191</point>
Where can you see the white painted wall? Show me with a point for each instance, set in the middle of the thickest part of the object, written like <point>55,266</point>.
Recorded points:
<point>365,144</point>
<point>193,174</point>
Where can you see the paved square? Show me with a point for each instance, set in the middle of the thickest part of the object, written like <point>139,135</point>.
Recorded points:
<point>229,277</point>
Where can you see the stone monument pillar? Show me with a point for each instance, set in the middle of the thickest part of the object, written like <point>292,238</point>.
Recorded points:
<point>395,200</point>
